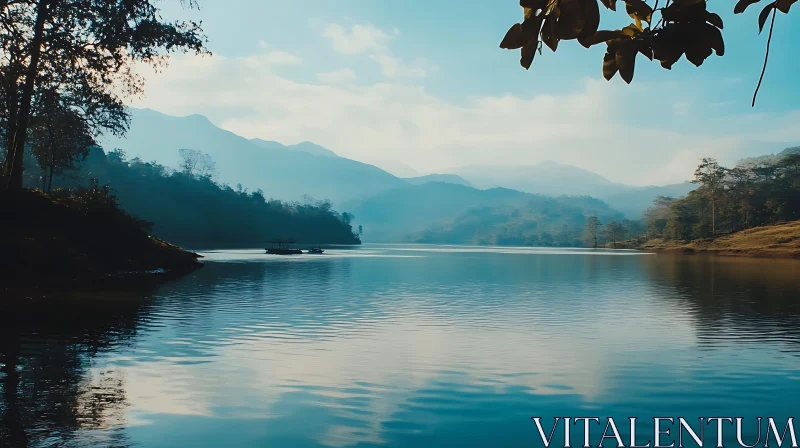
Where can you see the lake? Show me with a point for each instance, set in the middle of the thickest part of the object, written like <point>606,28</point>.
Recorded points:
<point>402,346</point>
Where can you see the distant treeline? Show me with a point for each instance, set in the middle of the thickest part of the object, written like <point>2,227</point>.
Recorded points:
<point>542,221</point>
<point>187,207</point>
<point>757,192</point>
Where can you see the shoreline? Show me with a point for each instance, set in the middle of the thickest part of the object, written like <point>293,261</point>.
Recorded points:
<point>775,241</point>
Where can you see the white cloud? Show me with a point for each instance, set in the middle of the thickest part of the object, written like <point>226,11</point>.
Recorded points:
<point>405,123</point>
<point>366,39</point>
<point>282,58</point>
<point>358,40</point>
<point>337,76</point>
<point>395,68</point>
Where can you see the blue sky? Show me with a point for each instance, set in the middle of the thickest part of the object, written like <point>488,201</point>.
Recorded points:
<point>424,84</point>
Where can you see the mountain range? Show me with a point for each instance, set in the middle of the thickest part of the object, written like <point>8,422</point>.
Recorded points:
<point>416,213</point>
<point>389,205</point>
<point>282,172</point>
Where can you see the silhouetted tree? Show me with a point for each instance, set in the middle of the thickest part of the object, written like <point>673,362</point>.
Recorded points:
<point>84,50</point>
<point>59,138</point>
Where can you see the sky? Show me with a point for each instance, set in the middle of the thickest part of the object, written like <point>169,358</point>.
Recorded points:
<point>422,86</point>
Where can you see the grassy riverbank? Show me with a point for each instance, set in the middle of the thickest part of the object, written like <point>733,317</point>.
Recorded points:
<point>77,240</point>
<point>780,240</point>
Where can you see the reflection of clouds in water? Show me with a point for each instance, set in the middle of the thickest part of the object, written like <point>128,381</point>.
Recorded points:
<point>382,365</point>
<point>416,346</point>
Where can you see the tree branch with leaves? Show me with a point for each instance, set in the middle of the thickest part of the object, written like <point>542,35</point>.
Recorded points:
<point>85,51</point>
<point>659,33</point>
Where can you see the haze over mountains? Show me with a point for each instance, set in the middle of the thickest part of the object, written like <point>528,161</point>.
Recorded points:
<point>388,205</point>
<point>283,172</point>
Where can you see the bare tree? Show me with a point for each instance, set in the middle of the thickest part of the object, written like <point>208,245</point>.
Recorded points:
<point>195,163</point>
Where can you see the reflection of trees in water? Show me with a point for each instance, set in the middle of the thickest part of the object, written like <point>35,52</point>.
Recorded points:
<point>48,389</point>
<point>735,298</point>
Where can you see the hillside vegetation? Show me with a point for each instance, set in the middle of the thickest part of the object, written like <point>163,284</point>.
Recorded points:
<point>192,210</point>
<point>780,240</point>
<point>447,213</point>
<point>79,239</point>
<point>540,221</point>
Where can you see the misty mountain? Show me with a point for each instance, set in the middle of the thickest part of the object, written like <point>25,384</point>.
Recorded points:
<point>638,199</point>
<point>548,178</point>
<point>308,147</point>
<point>554,179</point>
<point>445,178</point>
<point>282,172</point>
<point>398,169</point>
<point>394,215</point>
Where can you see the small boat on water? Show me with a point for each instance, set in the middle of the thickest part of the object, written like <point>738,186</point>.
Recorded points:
<point>316,250</point>
<point>282,247</point>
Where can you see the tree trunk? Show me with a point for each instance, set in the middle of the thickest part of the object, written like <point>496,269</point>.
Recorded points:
<point>713,217</point>
<point>50,181</point>
<point>20,133</point>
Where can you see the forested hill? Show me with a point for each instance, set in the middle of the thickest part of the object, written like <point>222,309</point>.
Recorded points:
<point>540,221</point>
<point>193,211</point>
<point>447,213</point>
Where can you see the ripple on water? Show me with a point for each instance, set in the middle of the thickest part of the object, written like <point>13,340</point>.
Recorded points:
<point>415,346</point>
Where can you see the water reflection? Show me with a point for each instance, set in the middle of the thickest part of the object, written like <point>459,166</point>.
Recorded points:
<point>51,389</point>
<point>400,346</point>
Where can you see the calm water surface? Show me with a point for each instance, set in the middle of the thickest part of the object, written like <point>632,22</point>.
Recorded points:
<point>404,346</point>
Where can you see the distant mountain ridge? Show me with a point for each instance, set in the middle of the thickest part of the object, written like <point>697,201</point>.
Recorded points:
<point>446,178</point>
<point>402,213</point>
<point>308,147</point>
<point>282,172</point>
<point>290,172</point>
<point>549,178</point>
<point>555,179</point>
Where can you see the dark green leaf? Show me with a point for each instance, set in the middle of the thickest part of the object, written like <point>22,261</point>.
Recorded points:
<point>762,18</point>
<point>514,39</point>
<point>714,19</point>
<point>784,5</point>
<point>528,52</point>
<point>570,20</point>
<point>591,12</point>
<point>625,59</point>
<point>713,38</point>
<point>609,66</point>
<point>638,9</point>
<point>668,47</point>
<point>685,11</point>
<point>533,4</point>
<point>549,33</point>
<point>610,4</point>
<point>697,52</point>
<point>742,5</point>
